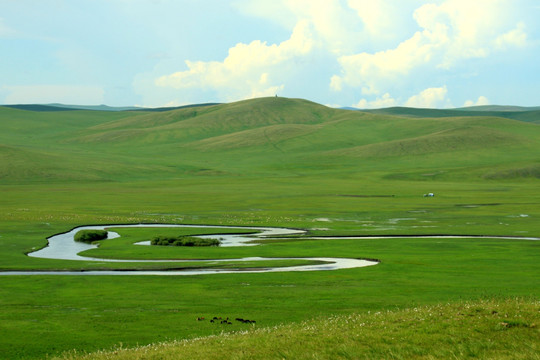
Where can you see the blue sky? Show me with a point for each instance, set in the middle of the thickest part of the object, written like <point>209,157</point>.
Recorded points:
<point>363,53</point>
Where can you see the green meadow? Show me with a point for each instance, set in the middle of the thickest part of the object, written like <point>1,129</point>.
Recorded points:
<point>263,162</point>
<point>495,329</point>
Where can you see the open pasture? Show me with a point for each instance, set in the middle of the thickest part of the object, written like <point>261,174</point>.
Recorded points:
<point>265,162</point>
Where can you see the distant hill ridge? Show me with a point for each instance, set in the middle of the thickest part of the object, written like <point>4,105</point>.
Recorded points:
<point>500,108</point>
<point>64,107</point>
<point>491,110</point>
<point>528,114</point>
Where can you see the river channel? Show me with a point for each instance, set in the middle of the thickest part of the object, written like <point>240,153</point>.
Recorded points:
<point>64,247</point>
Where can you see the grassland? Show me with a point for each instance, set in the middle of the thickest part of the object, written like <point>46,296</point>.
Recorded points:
<point>444,331</point>
<point>264,162</point>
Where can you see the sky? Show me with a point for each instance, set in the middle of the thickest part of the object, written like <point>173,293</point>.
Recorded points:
<point>341,53</point>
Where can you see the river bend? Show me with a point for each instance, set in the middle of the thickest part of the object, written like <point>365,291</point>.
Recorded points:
<point>64,247</point>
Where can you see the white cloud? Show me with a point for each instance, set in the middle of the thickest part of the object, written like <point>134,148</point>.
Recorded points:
<point>356,45</point>
<point>368,70</point>
<point>451,32</point>
<point>382,102</point>
<point>341,26</point>
<point>249,70</point>
<point>429,98</point>
<point>336,83</point>
<point>46,94</point>
<point>514,38</point>
<point>482,100</point>
<point>381,18</point>
<point>336,27</point>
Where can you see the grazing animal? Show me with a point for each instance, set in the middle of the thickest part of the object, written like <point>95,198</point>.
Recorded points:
<point>226,320</point>
<point>245,321</point>
<point>219,319</point>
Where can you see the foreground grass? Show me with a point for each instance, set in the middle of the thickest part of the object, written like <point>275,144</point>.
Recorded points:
<point>485,329</point>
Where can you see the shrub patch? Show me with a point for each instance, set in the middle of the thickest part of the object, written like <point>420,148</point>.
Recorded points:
<point>183,241</point>
<point>89,236</point>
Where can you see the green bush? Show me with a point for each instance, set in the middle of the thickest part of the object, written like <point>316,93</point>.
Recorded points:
<point>89,236</point>
<point>183,241</point>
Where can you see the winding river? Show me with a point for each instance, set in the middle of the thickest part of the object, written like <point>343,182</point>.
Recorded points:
<point>64,247</point>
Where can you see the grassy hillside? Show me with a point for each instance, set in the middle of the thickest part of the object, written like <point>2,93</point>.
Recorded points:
<point>259,161</point>
<point>256,137</point>
<point>500,108</point>
<point>516,113</point>
<point>494,329</point>
<point>264,162</point>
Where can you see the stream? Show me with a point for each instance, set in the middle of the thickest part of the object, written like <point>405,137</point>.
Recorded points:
<point>64,247</point>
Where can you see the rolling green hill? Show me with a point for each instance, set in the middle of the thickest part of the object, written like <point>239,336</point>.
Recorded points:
<point>260,136</point>
<point>500,108</point>
<point>64,107</point>
<point>531,114</point>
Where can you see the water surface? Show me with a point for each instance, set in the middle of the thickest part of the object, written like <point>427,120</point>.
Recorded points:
<point>64,247</point>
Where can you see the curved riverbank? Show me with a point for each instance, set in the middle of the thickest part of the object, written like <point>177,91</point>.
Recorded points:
<point>63,247</point>
<point>329,264</point>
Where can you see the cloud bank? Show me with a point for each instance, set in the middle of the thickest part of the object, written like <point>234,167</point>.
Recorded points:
<point>444,35</point>
<point>249,70</point>
<point>368,53</point>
